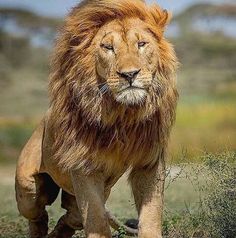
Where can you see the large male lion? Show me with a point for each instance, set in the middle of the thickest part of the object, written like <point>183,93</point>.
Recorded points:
<point>113,100</point>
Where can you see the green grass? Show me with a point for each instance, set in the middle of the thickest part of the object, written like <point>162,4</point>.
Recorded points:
<point>13,136</point>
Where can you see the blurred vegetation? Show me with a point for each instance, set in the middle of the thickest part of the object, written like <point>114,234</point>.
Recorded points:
<point>12,139</point>
<point>26,18</point>
<point>206,117</point>
<point>207,9</point>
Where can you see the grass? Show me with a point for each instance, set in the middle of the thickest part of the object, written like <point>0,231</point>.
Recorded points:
<point>215,214</point>
<point>204,125</point>
<point>12,138</point>
<point>199,201</point>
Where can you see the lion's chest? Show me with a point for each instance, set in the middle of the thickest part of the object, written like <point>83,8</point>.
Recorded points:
<point>127,147</point>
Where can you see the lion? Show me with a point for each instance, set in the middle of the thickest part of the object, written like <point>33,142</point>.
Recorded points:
<point>113,99</point>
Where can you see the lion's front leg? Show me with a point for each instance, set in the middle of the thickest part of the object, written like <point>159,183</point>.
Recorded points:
<point>148,189</point>
<point>89,192</point>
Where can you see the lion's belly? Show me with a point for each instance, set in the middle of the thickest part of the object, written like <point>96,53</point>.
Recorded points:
<point>60,177</point>
<point>63,177</point>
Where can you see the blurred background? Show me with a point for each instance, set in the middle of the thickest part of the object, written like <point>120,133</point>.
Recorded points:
<point>204,36</point>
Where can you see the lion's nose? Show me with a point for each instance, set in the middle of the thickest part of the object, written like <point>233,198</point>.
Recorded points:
<point>129,76</point>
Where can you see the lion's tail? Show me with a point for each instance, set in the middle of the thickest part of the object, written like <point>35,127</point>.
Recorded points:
<point>115,224</point>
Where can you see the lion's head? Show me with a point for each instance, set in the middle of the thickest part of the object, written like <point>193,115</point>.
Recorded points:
<point>112,84</point>
<point>126,56</point>
<point>112,60</point>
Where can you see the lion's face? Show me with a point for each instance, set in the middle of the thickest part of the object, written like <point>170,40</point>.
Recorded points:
<point>112,62</point>
<point>126,60</point>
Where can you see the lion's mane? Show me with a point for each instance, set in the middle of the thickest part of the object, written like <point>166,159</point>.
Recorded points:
<point>85,123</point>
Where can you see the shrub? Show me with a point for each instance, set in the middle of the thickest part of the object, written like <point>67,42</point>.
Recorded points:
<point>219,204</point>
<point>215,215</point>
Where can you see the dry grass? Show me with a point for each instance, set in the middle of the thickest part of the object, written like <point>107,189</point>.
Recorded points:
<point>204,126</point>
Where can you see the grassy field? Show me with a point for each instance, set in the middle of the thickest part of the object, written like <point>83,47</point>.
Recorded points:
<point>199,201</point>
<point>204,124</point>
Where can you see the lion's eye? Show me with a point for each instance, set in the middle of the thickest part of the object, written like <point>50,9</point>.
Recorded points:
<point>107,47</point>
<point>141,44</point>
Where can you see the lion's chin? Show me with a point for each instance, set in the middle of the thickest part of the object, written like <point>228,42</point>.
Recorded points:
<point>132,96</point>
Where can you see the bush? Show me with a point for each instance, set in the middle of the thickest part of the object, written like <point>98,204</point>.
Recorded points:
<point>220,202</point>
<point>215,215</point>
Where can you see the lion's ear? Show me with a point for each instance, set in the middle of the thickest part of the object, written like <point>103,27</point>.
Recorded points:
<point>166,18</point>
<point>161,17</point>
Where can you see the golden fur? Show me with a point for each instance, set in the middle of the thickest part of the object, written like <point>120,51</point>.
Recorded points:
<point>88,121</point>
<point>113,99</point>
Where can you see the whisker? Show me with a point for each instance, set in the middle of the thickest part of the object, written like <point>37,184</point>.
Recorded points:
<point>104,88</point>
<point>86,85</point>
<point>102,91</point>
<point>89,85</point>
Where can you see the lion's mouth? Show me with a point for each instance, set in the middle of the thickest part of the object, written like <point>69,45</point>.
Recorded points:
<point>131,95</point>
<point>131,88</point>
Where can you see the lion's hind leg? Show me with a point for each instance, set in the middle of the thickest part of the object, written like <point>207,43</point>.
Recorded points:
<point>71,221</point>
<point>33,194</point>
<point>34,190</point>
